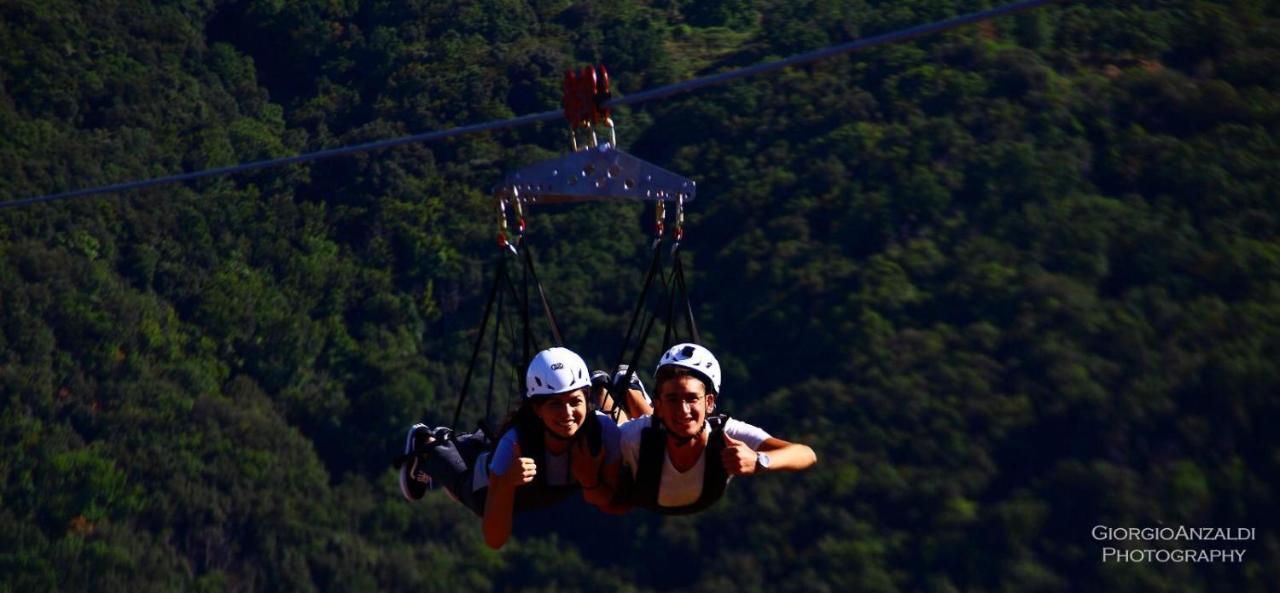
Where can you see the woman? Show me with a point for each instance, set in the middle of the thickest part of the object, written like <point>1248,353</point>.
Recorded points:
<point>551,447</point>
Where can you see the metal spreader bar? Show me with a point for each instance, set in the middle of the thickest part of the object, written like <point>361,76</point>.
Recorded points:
<point>596,173</point>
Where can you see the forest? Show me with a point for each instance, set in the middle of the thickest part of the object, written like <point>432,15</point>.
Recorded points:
<point>1010,282</point>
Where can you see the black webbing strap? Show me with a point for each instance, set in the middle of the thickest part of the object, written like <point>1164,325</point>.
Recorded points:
<point>493,362</point>
<point>640,309</point>
<point>520,320</point>
<point>620,387</point>
<point>542,295</point>
<point>635,357</point>
<point>694,336</point>
<point>643,490</point>
<point>617,389</point>
<point>526,352</point>
<point>677,287</point>
<point>668,332</point>
<point>516,364</point>
<point>499,276</point>
<point>529,338</point>
<point>515,299</point>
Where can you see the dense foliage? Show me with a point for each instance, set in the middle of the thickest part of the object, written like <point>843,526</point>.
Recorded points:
<point>1010,283</point>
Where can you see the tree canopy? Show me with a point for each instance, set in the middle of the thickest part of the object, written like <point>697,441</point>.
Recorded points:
<point>1010,282</point>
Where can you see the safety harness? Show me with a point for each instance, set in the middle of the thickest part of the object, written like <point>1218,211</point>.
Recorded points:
<point>531,435</point>
<point>642,490</point>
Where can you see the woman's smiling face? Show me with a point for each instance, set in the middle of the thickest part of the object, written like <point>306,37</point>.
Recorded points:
<point>563,414</point>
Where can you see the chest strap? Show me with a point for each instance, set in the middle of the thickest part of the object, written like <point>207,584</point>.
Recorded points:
<point>653,454</point>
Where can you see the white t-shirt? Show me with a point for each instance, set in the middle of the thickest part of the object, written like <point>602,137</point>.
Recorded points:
<point>682,488</point>
<point>555,466</point>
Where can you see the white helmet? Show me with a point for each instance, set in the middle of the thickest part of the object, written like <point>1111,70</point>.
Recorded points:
<point>554,371</point>
<point>697,359</point>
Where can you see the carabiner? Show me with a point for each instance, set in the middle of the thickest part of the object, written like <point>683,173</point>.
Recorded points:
<point>613,136</point>
<point>679,233</point>
<point>659,223</point>
<point>520,226</point>
<point>601,94</point>
<point>502,223</point>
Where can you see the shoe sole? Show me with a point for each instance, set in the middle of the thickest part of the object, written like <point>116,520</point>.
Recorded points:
<point>404,470</point>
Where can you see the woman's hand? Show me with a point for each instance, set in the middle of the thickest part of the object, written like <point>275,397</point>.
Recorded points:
<point>521,471</point>
<point>585,466</point>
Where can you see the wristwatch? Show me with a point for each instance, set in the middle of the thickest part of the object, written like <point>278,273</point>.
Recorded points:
<point>762,460</point>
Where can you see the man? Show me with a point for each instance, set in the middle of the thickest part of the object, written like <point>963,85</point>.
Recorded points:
<point>681,457</point>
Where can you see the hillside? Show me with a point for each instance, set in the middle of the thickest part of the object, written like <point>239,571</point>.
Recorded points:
<point>1010,283</point>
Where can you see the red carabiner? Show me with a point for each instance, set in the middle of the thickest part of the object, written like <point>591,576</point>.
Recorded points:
<point>602,95</point>
<point>572,107</point>
<point>586,95</point>
<point>502,225</point>
<point>579,97</point>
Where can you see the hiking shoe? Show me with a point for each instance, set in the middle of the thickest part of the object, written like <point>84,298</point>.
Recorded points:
<point>635,383</point>
<point>414,481</point>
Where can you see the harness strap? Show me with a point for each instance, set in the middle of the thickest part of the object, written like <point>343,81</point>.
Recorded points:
<point>493,362</point>
<point>498,277</point>
<point>531,434</point>
<point>678,287</point>
<point>654,264</point>
<point>517,394</point>
<point>618,389</point>
<point>648,480</point>
<point>668,331</point>
<point>542,295</point>
<point>528,330</point>
<point>688,304</point>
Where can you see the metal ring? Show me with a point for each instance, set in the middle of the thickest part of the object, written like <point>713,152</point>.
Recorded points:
<point>520,224</point>
<point>502,223</point>
<point>679,217</point>
<point>660,215</point>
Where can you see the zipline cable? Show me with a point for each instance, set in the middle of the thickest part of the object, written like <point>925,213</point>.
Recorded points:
<point>640,97</point>
<point>312,156</point>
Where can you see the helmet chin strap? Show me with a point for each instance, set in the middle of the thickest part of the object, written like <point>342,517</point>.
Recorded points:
<point>682,441</point>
